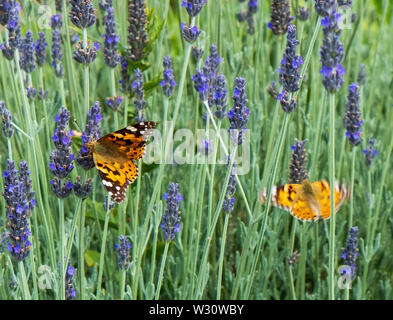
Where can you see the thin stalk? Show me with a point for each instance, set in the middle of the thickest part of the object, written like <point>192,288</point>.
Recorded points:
<point>61,253</point>
<point>163,261</point>
<point>221,257</point>
<point>86,82</point>
<point>23,281</point>
<point>350,220</point>
<point>332,232</point>
<point>103,247</point>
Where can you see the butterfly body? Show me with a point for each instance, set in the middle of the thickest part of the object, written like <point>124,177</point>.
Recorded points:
<point>308,201</point>
<point>115,154</point>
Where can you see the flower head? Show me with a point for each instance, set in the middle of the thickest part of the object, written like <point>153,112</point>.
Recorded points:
<point>70,292</point>
<point>201,84</point>
<point>137,35</point>
<point>111,39</point>
<point>82,190</point>
<point>193,7</point>
<point>280,16</point>
<point>61,189</point>
<point>370,152</point>
<point>114,102</point>
<point>290,63</point>
<point>197,53</point>
<point>82,13</point>
<point>123,250</point>
<point>26,51</point>
<point>86,55</point>
<point>219,98</point>
<point>171,219</point>
<point>61,158</point>
<point>20,202</point>
<point>332,53</point>
<point>57,54</point>
<point>322,7</point>
<point>92,133</point>
<point>351,252</point>
<point>139,100</point>
<point>303,13</point>
<point>190,34</point>
<point>168,83</point>
<point>55,21</point>
<point>238,115</point>
<point>297,168</point>
<point>352,120</point>
<point>40,49</point>
<point>6,118</point>
<point>229,201</point>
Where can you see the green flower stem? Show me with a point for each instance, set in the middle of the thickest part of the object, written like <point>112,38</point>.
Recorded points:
<point>86,82</point>
<point>255,259</point>
<point>350,220</point>
<point>203,262</point>
<point>123,284</point>
<point>70,71</point>
<point>103,247</point>
<point>113,94</point>
<point>23,281</point>
<point>332,232</point>
<point>81,248</point>
<point>61,258</point>
<point>163,261</point>
<point>221,257</point>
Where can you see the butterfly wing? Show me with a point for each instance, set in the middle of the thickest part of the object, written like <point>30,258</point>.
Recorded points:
<point>291,198</point>
<point>116,176</point>
<point>322,192</point>
<point>130,140</point>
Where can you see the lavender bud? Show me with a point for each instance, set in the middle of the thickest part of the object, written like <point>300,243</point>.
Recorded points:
<point>332,53</point>
<point>26,51</point>
<point>86,55</point>
<point>238,115</point>
<point>123,250</point>
<point>6,118</point>
<point>352,120</point>
<point>193,7</point>
<point>290,63</point>
<point>297,168</point>
<point>168,83</point>
<point>111,39</point>
<point>19,204</point>
<point>190,34</point>
<point>70,292</point>
<point>280,16</point>
<point>137,35</point>
<point>82,13</point>
<point>82,190</point>
<point>229,202</point>
<point>40,49</point>
<point>171,218</point>
<point>370,152</point>
<point>139,100</point>
<point>351,252</point>
<point>114,102</point>
<point>92,133</point>
<point>197,53</point>
<point>57,54</point>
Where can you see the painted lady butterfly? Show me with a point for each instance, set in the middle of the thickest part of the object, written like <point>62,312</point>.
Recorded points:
<point>308,201</point>
<point>114,156</point>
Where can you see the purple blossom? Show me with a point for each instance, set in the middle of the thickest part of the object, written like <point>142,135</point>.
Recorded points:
<point>171,219</point>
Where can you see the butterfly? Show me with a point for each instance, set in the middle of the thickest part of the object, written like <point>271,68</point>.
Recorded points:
<point>308,201</point>
<point>114,155</point>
